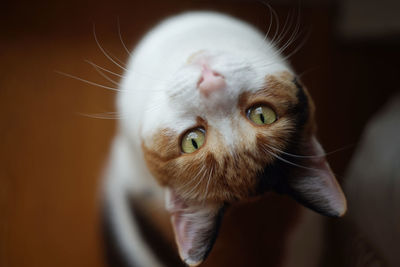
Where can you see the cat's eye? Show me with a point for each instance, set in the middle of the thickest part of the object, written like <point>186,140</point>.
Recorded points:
<point>193,140</point>
<point>261,115</point>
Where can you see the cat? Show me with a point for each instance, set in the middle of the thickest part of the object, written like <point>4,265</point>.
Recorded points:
<point>211,114</point>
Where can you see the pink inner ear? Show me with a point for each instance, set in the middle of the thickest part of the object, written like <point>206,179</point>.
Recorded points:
<point>210,81</point>
<point>195,226</point>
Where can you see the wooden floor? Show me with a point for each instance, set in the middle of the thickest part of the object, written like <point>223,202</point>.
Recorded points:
<point>52,155</point>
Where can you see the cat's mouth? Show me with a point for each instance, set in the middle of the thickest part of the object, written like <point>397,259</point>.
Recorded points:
<point>195,226</point>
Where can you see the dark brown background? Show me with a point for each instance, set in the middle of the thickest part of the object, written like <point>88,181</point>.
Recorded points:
<point>52,157</point>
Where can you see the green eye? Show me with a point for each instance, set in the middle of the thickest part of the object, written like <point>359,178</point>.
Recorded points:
<point>193,140</point>
<point>261,115</point>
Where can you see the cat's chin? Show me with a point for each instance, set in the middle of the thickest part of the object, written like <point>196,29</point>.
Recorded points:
<point>195,225</point>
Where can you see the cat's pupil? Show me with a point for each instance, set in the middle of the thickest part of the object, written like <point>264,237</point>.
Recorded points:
<point>262,118</point>
<point>194,143</point>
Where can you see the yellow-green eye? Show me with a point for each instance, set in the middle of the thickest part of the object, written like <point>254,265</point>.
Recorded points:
<point>261,115</point>
<point>193,140</point>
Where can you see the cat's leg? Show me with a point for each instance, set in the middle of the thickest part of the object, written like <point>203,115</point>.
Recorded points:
<point>124,228</point>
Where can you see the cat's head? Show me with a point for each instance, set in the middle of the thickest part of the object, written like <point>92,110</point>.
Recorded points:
<point>226,128</point>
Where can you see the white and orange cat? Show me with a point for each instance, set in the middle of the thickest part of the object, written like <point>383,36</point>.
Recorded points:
<point>212,115</point>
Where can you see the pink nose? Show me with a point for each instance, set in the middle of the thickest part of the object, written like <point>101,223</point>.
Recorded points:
<point>210,82</point>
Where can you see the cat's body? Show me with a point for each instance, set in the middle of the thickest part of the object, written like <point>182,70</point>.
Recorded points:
<point>201,74</point>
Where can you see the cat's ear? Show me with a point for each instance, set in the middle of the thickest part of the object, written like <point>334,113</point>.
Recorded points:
<point>314,185</point>
<point>195,226</point>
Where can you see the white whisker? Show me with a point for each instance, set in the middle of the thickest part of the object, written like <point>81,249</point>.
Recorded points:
<point>116,58</point>
<point>120,38</point>
<point>289,162</point>
<point>104,69</point>
<point>103,116</point>
<point>89,82</point>
<point>104,52</point>
<point>275,15</point>
<point>285,29</point>
<point>199,182</point>
<point>293,36</point>
<point>194,178</point>
<point>208,182</point>
<point>299,46</point>
<point>105,76</point>
<point>269,26</point>
<point>294,155</point>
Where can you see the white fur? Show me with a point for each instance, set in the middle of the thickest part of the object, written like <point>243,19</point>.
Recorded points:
<point>121,181</point>
<point>166,95</point>
<point>159,91</point>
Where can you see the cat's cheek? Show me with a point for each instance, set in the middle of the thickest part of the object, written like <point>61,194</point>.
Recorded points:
<point>158,168</point>
<point>159,152</point>
<point>202,177</point>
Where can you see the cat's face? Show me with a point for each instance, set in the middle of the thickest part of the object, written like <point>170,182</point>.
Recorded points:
<point>221,131</point>
<point>235,149</point>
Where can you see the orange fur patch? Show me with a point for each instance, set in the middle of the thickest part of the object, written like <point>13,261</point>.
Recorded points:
<point>219,173</point>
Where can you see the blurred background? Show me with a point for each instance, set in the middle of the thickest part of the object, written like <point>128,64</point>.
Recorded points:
<point>52,154</point>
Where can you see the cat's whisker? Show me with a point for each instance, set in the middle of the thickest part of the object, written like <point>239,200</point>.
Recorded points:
<point>291,39</point>
<point>295,155</point>
<point>116,58</point>
<point>269,26</point>
<point>103,116</point>
<point>105,76</point>
<point>278,37</point>
<point>104,69</point>
<point>202,177</point>
<point>120,38</point>
<point>299,46</point>
<point>285,29</point>
<point>276,17</point>
<point>288,161</point>
<point>307,71</point>
<point>194,178</point>
<point>293,36</point>
<point>89,82</point>
<point>208,183</point>
<point>191,181</point>
<point>189,187</point>
<point>104,52</point>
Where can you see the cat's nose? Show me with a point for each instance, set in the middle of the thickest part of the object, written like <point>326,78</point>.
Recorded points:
<point>210,82</point>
